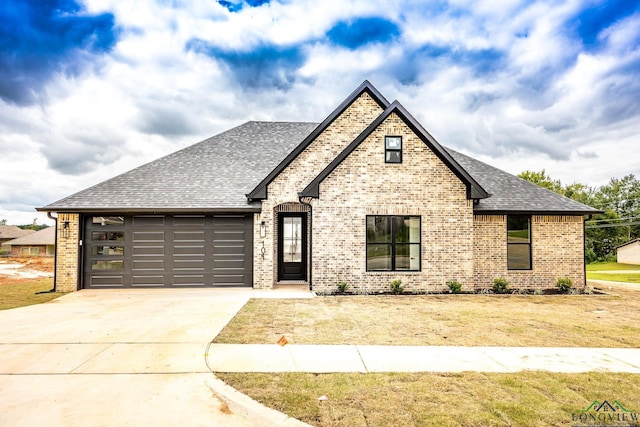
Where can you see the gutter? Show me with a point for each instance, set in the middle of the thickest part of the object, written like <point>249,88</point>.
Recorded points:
<point>55,256</point>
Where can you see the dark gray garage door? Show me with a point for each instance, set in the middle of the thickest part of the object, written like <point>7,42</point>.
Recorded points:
<point>168,251</point>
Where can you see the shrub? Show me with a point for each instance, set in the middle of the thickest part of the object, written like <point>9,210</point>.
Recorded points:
<point>396,287</point>
<point>500,286</point>
<point>564,285</point>
<point>342,287</point>
<point>455,287</point>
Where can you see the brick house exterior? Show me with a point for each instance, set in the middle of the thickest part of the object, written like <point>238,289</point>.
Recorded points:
<point>365,197</point>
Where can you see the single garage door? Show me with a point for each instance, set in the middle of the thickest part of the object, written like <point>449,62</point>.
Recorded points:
<point>168,251</point>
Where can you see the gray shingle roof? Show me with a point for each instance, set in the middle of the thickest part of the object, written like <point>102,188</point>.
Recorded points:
<point>515,195</point>
<point>217,173</point>
<point>214,174</point>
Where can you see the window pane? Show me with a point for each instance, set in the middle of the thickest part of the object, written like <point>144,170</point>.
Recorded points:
<point>111,235</point>
<point>518,229</point>
<point>519,256</point>
<point>408,257</point>
<point>392,143</point>
<point>292,239</point>
<point>407,229</point>
<point>108,220</point>
<point>393,157</point>
<point>107,250</point>
<point>107,265</point>
<point>378,257</point>
<point>378,229</point>
<point>414,260</point>
<point>402,257</point>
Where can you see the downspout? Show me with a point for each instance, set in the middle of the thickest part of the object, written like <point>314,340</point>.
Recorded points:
<point>55,255</point>
<point>310,239</point>
<point>584,247</point>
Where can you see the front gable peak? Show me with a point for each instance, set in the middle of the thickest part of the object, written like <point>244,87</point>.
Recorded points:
<point>474,190</point>
<point>260,192</point>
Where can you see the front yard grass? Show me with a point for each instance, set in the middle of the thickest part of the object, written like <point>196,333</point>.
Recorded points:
<point>529,398</point>
<point>19,293</point>
<point>457,320</point>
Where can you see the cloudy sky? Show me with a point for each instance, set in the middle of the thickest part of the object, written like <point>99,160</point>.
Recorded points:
<point>92,88</point>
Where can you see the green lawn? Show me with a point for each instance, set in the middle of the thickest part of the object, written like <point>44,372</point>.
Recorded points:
<point>23,293</point>
<point>529,398</point>
<point>614,272</point>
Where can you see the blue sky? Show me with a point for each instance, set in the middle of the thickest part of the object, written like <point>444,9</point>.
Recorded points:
<point>90,89</point>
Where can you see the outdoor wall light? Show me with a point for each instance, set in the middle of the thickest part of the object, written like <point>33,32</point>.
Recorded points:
<point>65,229</point>
<point>263,229</point>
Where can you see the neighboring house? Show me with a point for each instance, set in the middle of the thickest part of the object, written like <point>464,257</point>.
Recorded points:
<point>365,197</point>
<point>10,232</point>
<point>629,253</point>
<point>39,243</point>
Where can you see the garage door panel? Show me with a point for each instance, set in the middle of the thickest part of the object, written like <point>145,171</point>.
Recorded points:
<point>148,264</point>
<point>166,251</point>
<point>107,281</point>
<point>180,250</point>
<point>189,280</point>
<point>148,250</point>
<point>148,221</point>
<point>188,236</point>
<point>148,236</point>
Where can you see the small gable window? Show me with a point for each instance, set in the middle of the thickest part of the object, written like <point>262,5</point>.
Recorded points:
<point>393,149</point>
<point>519,242</point>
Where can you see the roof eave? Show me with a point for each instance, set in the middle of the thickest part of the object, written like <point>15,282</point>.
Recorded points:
<point>480,211</point>
<point>158,210</point>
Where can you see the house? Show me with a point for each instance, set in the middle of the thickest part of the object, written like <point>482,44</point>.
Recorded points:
<point>10,232</point>
<point>365,197</point>
<point>629,253</point>
<point>39,243</point>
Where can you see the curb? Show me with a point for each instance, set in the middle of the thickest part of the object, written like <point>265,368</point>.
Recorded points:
<point>254,412</point>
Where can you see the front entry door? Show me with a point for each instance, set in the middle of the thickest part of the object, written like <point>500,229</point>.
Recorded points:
<point>292,246</point>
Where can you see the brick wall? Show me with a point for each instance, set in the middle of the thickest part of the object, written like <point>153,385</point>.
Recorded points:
<point>363,184</point>
<point>67,253</point>
<point>285,187</point>
<point>557,244</point>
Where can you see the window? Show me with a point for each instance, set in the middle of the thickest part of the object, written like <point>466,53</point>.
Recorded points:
<point>393,149</point>
<point>393,243</point>
<point>518,242</point>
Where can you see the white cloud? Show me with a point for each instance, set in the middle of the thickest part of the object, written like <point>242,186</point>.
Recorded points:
<point>540,102</point>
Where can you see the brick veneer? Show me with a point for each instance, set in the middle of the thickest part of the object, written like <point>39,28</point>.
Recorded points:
<point>363,184</point>
<point>557,245</point>
<point>67,253</point>
<point>295,177</point>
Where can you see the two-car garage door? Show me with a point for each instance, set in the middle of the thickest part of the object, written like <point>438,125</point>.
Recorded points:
<point>168,251</point>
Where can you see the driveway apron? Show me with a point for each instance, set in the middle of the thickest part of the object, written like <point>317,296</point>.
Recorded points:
<point>112,357</point>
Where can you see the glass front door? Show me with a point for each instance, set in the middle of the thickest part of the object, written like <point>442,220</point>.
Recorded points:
<point>292,246</point>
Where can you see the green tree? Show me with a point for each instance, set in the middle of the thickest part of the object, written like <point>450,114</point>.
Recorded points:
<point>620,201</point>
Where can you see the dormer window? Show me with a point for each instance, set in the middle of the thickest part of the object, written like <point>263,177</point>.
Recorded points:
<point>393,149</point>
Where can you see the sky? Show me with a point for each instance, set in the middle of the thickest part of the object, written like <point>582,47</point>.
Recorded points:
<point>93,88</point>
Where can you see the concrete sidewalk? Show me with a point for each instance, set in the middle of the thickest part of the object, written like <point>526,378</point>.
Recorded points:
<point>375,358</point>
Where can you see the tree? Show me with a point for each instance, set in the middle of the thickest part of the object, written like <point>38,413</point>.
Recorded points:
<point>620,201</point>
<point>3,221</point>
<point>542,179</point>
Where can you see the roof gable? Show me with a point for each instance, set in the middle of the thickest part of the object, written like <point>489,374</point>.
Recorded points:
<point>260,192</point>
<point>474,190</point>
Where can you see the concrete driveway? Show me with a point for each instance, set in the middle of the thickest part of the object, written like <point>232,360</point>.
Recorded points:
<point>115,358</point>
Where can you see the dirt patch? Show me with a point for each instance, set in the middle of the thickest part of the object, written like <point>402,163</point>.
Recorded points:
<point>17,270</point>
